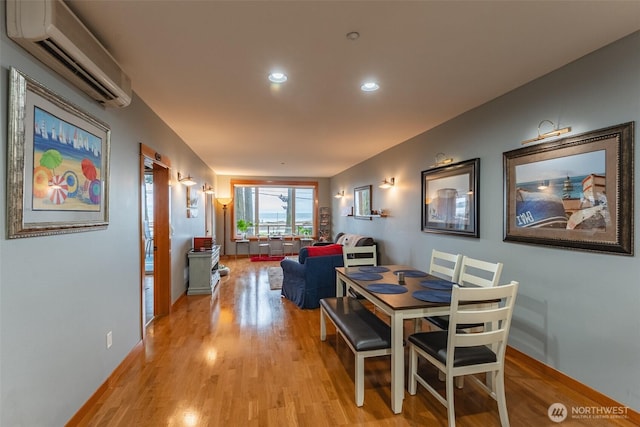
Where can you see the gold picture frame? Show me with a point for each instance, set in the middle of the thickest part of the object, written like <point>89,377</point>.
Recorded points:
<point>57,163</point>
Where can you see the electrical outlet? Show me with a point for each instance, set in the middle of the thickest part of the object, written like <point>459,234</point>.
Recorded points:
<point>109,339</point>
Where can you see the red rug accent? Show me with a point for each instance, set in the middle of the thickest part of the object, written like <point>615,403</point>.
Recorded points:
<point>266,258</point>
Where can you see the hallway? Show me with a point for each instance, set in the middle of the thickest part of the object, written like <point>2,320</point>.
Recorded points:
<point>247,357</point>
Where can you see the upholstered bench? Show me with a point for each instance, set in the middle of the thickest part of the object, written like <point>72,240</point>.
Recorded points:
<point>365,333</point>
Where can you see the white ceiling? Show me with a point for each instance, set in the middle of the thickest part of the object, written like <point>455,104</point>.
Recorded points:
<point>202,66</point>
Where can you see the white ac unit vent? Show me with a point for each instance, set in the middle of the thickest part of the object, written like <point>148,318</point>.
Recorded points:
<point>50,31</point>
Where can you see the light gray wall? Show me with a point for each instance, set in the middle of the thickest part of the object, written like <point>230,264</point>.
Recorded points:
<point>576,311</point>
<point>60,295</point>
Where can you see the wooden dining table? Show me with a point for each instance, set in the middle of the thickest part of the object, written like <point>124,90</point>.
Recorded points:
<point>398,306</point>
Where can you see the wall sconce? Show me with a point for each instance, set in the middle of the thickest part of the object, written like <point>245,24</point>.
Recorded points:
<point>441,160</point>
<point>339,194</point>
<point>554,132</point>
<point>387,184</point>
<point>207,189</point>
<point>188,181</point>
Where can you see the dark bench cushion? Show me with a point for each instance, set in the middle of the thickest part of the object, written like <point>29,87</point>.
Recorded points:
<point>435,344</point>
<point>364,330</point>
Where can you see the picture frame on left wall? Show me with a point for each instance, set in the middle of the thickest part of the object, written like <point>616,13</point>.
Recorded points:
<point>57,163</point>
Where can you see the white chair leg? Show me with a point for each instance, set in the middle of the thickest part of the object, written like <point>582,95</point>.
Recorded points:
<point>413,368</point>
<point>450,408</point>
<point>502,401</point>
<point>359,377</point>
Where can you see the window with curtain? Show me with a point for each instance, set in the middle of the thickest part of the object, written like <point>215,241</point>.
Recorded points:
<point>275,208</point>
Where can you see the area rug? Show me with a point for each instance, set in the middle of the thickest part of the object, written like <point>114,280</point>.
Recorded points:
<point>275,277</point>
<point>266,258</point>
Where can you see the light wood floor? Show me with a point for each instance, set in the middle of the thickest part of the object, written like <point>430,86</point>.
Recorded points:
<point>247,357</point>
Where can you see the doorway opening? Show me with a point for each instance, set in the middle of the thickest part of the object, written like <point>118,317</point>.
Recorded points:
<point>147,213</point>
<point>155,236</point>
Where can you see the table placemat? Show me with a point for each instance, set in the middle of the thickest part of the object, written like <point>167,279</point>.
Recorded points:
<point>436,283</point>
<point>432,296</point>
<point>373,269</point>
<point>411,273</point>
<point>365,276</point>
<point>386,288</point>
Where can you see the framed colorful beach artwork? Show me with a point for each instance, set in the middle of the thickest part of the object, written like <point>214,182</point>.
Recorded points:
<point>574,193</point>
<point>58,164</point>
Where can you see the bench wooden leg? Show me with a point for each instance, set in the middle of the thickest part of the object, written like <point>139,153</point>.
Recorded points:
<point>359,379</point>
<point>323,325</point>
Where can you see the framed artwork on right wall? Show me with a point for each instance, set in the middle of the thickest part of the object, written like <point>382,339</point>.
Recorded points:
<point>574,193</point>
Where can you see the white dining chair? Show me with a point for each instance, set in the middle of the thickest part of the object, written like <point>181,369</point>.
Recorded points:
<point>457,353</point>
<point>473,272</point>
<point>353,256</point>
<point>359,255</point>
<point>445,265</point>
<point>477,273</point>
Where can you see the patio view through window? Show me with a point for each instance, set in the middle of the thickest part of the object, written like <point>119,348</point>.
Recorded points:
<point>275,209</point>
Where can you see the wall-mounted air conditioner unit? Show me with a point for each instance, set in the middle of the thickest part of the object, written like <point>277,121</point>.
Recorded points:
<point>53,34</point>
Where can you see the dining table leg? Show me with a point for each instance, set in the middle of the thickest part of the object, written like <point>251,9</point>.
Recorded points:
<point>397,363</point>
<point>340,286</point>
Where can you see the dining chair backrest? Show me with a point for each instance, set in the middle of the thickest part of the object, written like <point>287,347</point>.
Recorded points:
<point>498,315</point>
<point>359,255</point>
<point>468,352</point>
<point>445,265</point>
<point>479,273</point>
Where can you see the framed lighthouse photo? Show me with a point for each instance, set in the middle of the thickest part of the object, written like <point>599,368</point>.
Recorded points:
<point>58,163</point>
<point>573,193</point>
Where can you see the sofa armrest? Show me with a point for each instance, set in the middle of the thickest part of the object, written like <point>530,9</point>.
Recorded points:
<point>292,268</point>
<point>293,281</point>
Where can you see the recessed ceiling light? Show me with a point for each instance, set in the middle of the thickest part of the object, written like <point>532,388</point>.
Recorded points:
<point>278,77</point>
<point>353,35</point>
<point>369,86</point>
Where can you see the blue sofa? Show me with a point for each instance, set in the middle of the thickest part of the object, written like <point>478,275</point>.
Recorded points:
<point>307,281</point>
